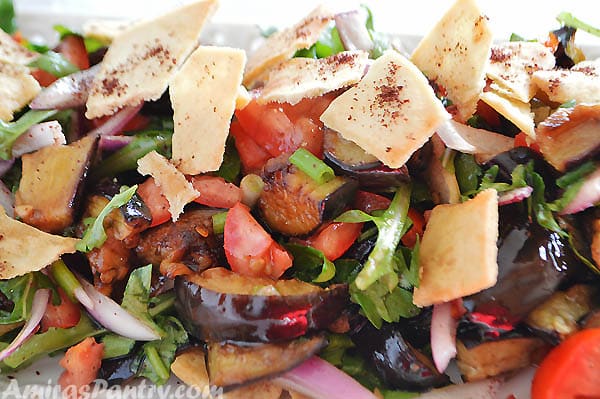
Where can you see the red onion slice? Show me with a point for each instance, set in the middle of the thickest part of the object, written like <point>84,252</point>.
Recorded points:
<point>353,32</point>
<point>67,92</point>
<point>114,125</point>
<point>515,195</point>
<point>38,136</point>
<point>443,335</point>
<point>114,318</point>
<point>5,165</point>
<point>587,196</point>
<point>453,139</point>
<point>7,200</point>
<point>319,379</point>
<point>38,308</point>
<point>114,143</point>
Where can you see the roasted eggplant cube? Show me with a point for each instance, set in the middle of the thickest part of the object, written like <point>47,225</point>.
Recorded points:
<point>231,365</point>
<point>220,305</point>
<point>51,184</point>
<point>348,159</point>
<point>294,204</point>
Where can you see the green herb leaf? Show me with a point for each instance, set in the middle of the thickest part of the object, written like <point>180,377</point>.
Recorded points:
<point>231,166</point>
<point>95,235</point>
<point>310,264</point>
<point>567,19</point>
<point>91,44</point>
<point>577,174</point>
<point>54,63</point>
<point>468,172</point>
<point>116,346</point>
<point>10,131</point>
<point>20,291</point>
<point>7,16</point>
<point>136,297</point>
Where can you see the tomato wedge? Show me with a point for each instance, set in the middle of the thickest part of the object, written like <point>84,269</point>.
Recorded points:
<point>64,315</point>
<point>156,202</point>
<point>335,239</point>
<point>410,238</point>
<point>72,47</point>
<point>216,192</point>
<point>571,370</point>
<point>81,363</point>
<point>249,249</point>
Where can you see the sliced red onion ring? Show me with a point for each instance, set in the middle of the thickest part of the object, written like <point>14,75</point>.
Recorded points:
<point>453,139</point>
<point>443,335</point>
<point>114,318</point>
<point>114,125</point>
<point>114,143</point>
<point>5,165</point>
<point>318,379</point>
<point>353,32</point>
<point>587,196</point>
<point>515,195</point>
<point>38,136</point>
<point>7,200</point>
<point>38,308</point>
<point>67,92</point>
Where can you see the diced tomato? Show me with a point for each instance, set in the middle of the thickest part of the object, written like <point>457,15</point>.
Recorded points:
<point>156,202</point>
<point>64,315</point>
<point>368,202</point>
<point>335,238</point>
<point>72,47</point>
<point>522,140</point>
<point>249,249</point>
<point>138,122</point>
<point>489,114</point>
<point>44,78</point>
<point>252,156</point>
<point>81,364</point>
<point>216,192</point>
<point>410,238</point>
<point>571,370</point>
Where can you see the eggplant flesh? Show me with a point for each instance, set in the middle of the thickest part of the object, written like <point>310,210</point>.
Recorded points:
<point>396,361</point>
<point>220,305</point>
<point>294,204</point>
<point>347,158</point>
<point>230,365</point>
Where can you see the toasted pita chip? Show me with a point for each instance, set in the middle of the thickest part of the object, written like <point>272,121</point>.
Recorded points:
<point>12,52</point>
<point>204,94</point>
<point>580,83</point>
<point>142,60</point>
<point>282,45</point>
<point>17,89</point>
<point>243,98</point>
<point>512,64</point>
<point>299,78</point>
<point>391,113</point>
<point>515,111</point>
<point>25,249</point>
<point>455,55</point>
<point>458,254</point>
<point>173,184</point>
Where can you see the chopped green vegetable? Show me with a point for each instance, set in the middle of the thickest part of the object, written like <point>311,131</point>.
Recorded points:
<point>468,172</point>
<point>310,264</point>
<point>10,131</point>
<point>7,16</point>
<point>231,166</point>
<point>116,346</point>
<point>318,170</point>
<point>20,291</point>
<point>337,344</point>
<point>567,19</point>
<point>329,43</point>
<point>568,104</point>
<point>65,279</point>
<point>95,235</point>
<point>54,63</point>
<point>516,38</point>
<point>575,175</point>
<point>218,220</point>
<point>136,298</point>
<point>161,304</point>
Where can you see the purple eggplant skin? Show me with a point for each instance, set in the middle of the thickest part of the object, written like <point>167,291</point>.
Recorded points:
<point>218,316</point>
<point>396,361</point>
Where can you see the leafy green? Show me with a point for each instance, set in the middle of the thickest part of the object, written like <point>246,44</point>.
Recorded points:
<point>231,166</point>
<point>310,264</point>
<point>54,63</point>
<point>567,19</point>
<point>7,16</point>
<point>155,358</point>
<point>136,297</point>
<point>568,104</point>
<point>20,291</point>
<point>380,41</point>
<point>468,172</point>
<point>116,346</point>
<point>337,344</point>
<point>161,303</point>
<point>95,235</point>
<point>576,174</point>
<point>329,43</point>
<point>10,131</point>
<point>91,44</point>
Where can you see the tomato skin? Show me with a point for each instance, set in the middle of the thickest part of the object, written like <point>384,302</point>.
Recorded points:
<point>44,78</point>
<point>335,238</point>
<point>72,47</point>
<point>410,238</point>
<point>216,192</point>
<point>489,114</point>
<point>571,370</point>
<point>64,315</point>
<point>81,363</point>
<point>252,156</point>
<point>156,202</point>
<point>249,249</point>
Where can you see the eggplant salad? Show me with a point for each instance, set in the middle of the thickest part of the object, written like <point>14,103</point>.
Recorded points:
<point>325,215</point>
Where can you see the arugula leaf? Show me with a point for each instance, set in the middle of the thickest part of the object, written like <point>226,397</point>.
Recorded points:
<point>20,291</point>
<point>381,42</point>
<point>54,63</point>
<point>95,235</point>
<point>567,19</point>
<point>136,297</point>
<point>10,131</point>
<point>468,172</point>
<point>7,16</point>
<point>154,361</point>
<point>576,174</point>
<point>329,43</point>
<point>116,346</point>
<point>310,264</point>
